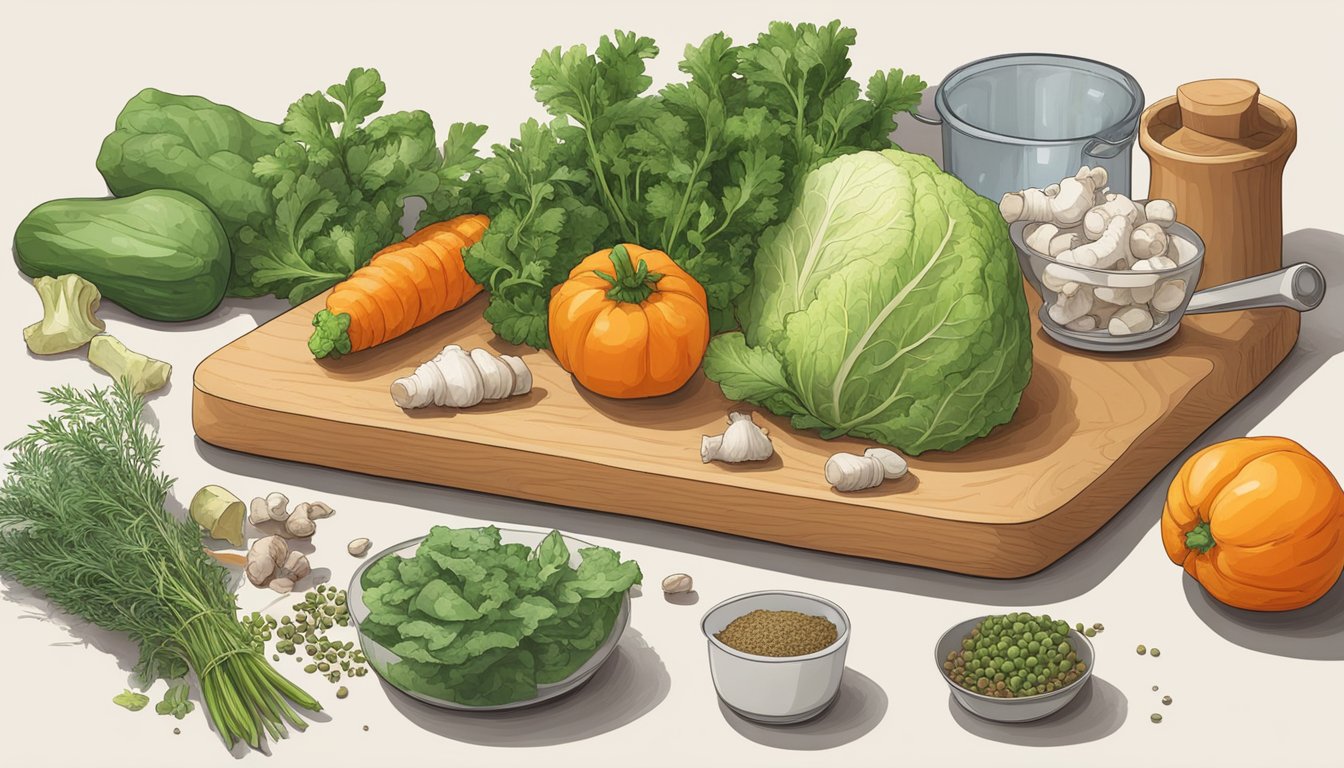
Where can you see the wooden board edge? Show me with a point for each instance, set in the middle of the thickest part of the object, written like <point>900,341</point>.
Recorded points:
<point>998,551</point>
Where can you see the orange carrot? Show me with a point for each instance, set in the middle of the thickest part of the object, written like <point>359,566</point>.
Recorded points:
<point>404,286</point>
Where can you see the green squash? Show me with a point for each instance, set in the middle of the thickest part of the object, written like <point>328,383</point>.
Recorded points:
<point>160,254</point>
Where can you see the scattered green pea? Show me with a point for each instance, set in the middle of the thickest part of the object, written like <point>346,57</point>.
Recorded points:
<point>1154,652</point>
<point>1166,700</point>
<point>1142,650</point>
<point>1156,718</point>
<point>1090,632</point>
<point>310,669</point>
<point>341,693</point>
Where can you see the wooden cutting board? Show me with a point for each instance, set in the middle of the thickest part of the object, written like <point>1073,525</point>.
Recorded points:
<point>1091,431</point>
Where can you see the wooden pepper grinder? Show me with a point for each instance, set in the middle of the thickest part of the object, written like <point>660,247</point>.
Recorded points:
<point>1218,148</point>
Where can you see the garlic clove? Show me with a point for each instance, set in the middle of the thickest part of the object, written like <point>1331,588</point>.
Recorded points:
<point>464,387</point>
<point>276,504</point>
<point>742,441</point>
<point>522,375</point>
<point>678,583</point>
<point>495,383</point>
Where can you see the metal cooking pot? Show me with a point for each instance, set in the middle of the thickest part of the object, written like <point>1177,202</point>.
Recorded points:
<point>1030,119</point>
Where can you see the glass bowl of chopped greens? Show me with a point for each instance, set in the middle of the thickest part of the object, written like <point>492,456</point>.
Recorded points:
<point>777,657</point>
<point>1016,667</point>
<point>483,619</point>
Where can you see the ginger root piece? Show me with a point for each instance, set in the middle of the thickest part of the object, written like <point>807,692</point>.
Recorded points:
<point>460,379</point>
<point>1067,207</point>
<point>113,358</point>
<point>68,321</point>
<point>219,513</point>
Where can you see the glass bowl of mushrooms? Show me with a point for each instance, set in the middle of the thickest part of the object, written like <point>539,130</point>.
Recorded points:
<point>1113,274</point>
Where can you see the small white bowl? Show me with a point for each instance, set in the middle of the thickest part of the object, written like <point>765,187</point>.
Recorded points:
<point>769,689</point>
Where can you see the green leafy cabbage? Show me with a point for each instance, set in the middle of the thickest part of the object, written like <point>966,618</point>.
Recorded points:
<point>480,622</point>
<point>888,305</point>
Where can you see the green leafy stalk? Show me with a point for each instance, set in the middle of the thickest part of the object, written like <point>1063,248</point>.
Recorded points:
<point>82,520</point>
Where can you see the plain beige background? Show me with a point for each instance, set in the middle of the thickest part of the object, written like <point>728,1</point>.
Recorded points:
<point>1248,690</point>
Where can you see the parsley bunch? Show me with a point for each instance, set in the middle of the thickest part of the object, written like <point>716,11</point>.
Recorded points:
<point>337,185</point>
<point>699,169</point>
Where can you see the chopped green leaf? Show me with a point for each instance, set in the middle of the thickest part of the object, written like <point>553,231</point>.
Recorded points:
<point>131,700</point>
<point>484,622</point>
<point>175,702</point>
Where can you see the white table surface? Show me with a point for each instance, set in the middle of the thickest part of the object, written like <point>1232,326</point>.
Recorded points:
<point>1249,690</point>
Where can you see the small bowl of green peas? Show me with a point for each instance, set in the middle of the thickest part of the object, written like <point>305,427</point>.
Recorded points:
<point>1015,667</point>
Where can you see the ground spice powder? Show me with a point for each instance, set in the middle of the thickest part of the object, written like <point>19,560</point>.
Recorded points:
<point>778,633</point>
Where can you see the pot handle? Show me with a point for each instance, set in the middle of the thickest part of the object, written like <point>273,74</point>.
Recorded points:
<point>925,119</point>
<point>1104,148</point>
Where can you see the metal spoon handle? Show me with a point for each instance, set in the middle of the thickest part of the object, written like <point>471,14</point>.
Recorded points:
<point>1300,287</point>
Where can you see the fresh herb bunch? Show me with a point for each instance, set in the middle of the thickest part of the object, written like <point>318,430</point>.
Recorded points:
<point>699,169</point>
<point>82,520</point>
<point>338,187</point>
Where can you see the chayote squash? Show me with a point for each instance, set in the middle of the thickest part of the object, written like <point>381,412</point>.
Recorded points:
<point>160,254</point>
<point>192,145</point>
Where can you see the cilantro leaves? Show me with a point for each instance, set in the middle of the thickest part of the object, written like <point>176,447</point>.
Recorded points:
<point>337,184</point>
<point>699,169</point>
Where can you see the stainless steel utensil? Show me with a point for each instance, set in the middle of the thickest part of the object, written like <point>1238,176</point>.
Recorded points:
<point>1029,119</point>
<point>1300,287</point>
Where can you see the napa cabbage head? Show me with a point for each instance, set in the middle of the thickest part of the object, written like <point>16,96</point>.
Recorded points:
<point>888,305</point>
